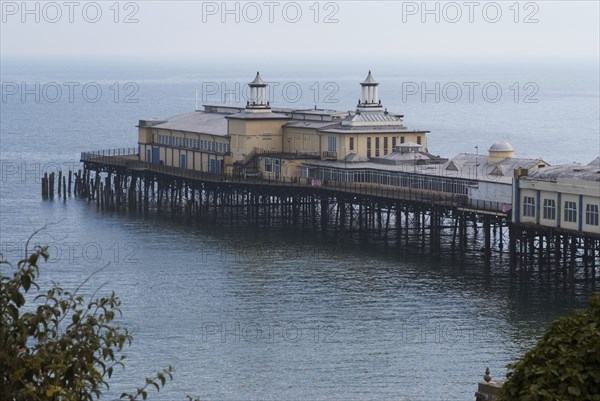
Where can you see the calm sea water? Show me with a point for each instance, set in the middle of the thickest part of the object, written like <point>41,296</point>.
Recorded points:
<point>275,314</point>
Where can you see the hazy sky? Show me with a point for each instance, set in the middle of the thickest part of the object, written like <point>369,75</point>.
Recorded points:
<point>285,30</point>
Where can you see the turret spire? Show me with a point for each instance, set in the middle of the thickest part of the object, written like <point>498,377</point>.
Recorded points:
<point>369,95</point>
<point>258,94</point>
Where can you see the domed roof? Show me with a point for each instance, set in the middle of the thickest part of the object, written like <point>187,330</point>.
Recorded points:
<point>501,147</point>
<point>369,80</point>
<point>257,81</point>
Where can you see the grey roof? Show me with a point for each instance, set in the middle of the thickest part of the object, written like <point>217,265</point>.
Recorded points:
<point>403,157</point>
<point>257,80</point>
<point>501,147</point>
<point>369,80</point>
<point>595,162</point>
<point>310,124</point>
<point>380,117</point>
<point>197,122</point>
<point>261,115</point>
<point>365,129</point>
<point>471,167</point>
<point>319,112</point>
<point>355,158</point>
<point>479,165</point>
<point>568,171</point>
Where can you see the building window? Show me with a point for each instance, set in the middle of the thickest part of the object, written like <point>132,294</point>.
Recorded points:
<point>272,166</point>
<point>368,146</point>
<point>385,145</point>
<point>549,209</point>
<point>393,143</point>
<point>419,140</point>
<point>377,147</point>
<point>351,143</point>
<point>528,206</point>
<point>570,211</point>
<point>591,215</point>
<point>401,139</point>
<point>331,143</point>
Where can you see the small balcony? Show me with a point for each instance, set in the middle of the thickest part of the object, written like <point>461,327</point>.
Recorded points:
<point>330,155</point>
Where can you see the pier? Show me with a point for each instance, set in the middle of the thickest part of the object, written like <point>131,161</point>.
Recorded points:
<point>361,173</point>
<point>429,222</point>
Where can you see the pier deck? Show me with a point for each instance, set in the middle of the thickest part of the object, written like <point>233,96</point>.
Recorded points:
<point>432,222</point>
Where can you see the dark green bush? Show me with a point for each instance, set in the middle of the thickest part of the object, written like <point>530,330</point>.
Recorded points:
<point>565,363</point>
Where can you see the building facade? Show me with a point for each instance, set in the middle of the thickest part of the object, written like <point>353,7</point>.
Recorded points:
<point>561,197</point>
<point>229,138</point>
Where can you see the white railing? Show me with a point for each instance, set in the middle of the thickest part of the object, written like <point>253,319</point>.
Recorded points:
<point>110,152</point>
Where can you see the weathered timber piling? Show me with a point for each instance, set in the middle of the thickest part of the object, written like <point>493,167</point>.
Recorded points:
<point>421,223</point>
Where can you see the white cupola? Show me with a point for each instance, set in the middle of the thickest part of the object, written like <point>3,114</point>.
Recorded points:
<point>258,95</point>
<point>369,95</point>
<point>500,151</point>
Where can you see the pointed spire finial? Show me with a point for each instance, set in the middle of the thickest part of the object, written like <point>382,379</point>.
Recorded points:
<point>488,376</point>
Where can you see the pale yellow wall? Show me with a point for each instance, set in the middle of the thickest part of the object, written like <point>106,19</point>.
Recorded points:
<point>570,198</point>
<point>301,140</point>
<point>144,135</point>
<point>528,193</point>
<point>594,201</point>
<point>548,195</point>
<point>248,135</point>
<point>289,168</point>
<point>496,156</point>
<point>143,151</point>
<point>197,159</point>
<point>191,135</point>
<point>360,143</point>
<point>570,191</point>
<point>310,141</point>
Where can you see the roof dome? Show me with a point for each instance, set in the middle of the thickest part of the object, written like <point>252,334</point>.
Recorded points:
<point>257,81</point>
<point>369,80</point>
<point>501,147</point>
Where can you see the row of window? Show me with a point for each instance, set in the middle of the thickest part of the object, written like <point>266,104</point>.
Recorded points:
<point>385,144</point>
<point>201,144</point>
<point>570,210</point>
<point>397,179</point>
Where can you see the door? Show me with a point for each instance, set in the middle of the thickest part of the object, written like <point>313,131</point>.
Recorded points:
<point>215,166</point>
<point>155,155</point>
<point>183,161</point>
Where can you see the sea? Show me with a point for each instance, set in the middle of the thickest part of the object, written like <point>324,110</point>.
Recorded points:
<point>246,313</point>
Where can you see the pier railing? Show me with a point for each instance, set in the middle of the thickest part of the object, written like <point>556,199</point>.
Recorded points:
<point>111,152</point>
<point>130,161</point>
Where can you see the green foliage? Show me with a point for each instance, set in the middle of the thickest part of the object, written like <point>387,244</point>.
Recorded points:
<point>57,346</point>
<point>564,365</point>
<point>157,382</point>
